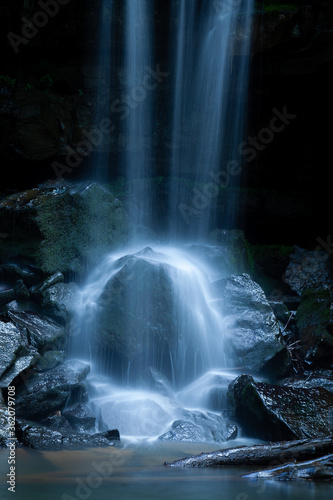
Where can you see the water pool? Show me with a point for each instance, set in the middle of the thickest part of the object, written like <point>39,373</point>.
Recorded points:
<point>137,472</point>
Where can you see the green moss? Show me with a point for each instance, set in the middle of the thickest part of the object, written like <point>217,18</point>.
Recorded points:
<point>272,6</point>
<point>7,81</point>
<point>62,230</point>
<point>314,310</point>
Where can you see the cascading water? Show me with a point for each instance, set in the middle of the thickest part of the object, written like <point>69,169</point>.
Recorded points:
<point>104,79</point>
<point>151,317</point>
<point>210,87</point>
<point>138,125</point>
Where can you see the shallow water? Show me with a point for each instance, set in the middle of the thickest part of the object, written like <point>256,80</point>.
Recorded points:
<point>137,472</point>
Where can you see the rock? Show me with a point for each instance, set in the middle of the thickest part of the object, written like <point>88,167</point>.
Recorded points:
<point>252,328</point>
<point>19,366</point>
<point>56,227</point>
<point>131,331</point>
<point>13,345</point>
<point>21,291</point>
<point>314,319</point>
<point>81,418</point>
<point>230,250</point>
<point>200,427</point>
<point>262,454</point>
<point>47,392</point>
<point>35,436</point>
<point>49,360</point>
<point>316,378</point>
<point>309,269</point>
<point>272,412</point>
<point>6,295</point>
<point>11,273</point>
<point>281,311</point>
<point>41,288</point>
<point>4,425</point>
<point>43,333</point>
<point>59,300</point>
<point>318,469</point>
<point>57,423</point>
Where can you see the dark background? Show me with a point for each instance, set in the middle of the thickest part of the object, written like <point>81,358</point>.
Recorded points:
<point>47,92</point>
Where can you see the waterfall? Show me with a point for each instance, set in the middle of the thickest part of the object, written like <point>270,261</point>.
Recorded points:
<point>138,125</point>
<point>151,316</point>
<point>105,81</point>
<point>210,87</point>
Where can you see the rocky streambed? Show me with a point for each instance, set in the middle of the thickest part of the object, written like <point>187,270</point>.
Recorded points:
<point>282,388</point>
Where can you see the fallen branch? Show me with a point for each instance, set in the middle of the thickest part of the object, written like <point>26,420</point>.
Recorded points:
<point>318,469</point>
<point>271,454</point>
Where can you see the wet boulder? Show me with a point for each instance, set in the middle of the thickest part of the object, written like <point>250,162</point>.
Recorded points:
<point>42,333</point>
<point>313,378</point>
<point>38,290</point>
<point>40,394</point>
<point>80,418</point>
<point>4,423</point>
<point>197,427</point>
<point>59,300</point>
<point>252,327</point>
<point>38,437</point>
<point>273,412</point>
<point>56,226</point>
<point>134,317</point>
<point>49,359</point>
<point>309,270</point>
<point>16,353</point>
<point>314,319</point>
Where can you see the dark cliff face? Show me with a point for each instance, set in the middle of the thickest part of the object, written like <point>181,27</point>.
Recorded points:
<point>47,99</point>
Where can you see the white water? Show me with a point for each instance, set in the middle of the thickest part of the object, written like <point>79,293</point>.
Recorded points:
<point>210,96</point>
<point>149,318</point>
<point>138,131</point>
<point>143,394</point>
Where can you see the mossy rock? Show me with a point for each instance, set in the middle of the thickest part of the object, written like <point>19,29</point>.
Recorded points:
<point>61,228</point>
<point>239,253</point>
<point>315,325</point>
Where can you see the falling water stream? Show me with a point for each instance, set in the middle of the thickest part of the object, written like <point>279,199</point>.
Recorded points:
<point>151,323</point>
<point>149,318</point>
